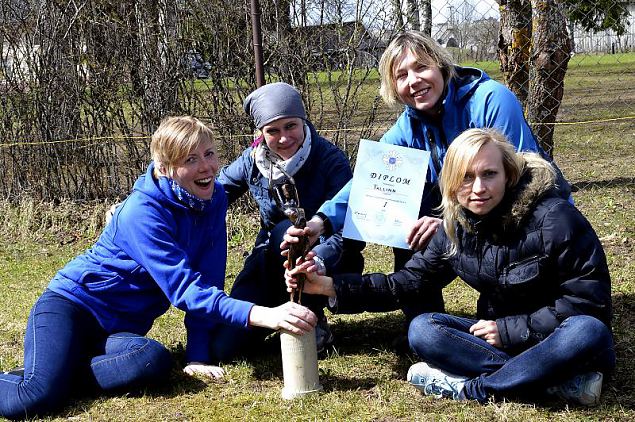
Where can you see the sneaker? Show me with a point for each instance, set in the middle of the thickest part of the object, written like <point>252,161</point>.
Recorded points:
<point>582,389</point>
<point>323,335</point>
<point>435,382</point>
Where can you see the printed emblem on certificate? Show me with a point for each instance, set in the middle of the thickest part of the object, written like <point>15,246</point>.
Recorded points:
<point>386,193</point>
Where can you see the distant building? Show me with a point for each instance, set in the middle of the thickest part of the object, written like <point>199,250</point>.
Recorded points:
<point>605,41</point>
<point>478,39</point>
<point>333,45</point>
<point>473,40</point>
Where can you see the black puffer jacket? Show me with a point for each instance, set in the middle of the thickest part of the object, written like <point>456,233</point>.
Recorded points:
<point>535,260</point>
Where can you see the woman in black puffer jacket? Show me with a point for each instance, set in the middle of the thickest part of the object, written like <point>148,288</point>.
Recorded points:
<point>543,316</point>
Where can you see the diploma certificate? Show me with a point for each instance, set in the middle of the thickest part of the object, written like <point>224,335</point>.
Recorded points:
<point>386,193</point>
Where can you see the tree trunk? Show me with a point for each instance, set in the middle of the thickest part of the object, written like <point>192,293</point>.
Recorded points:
<point>514,45</point>
<point>397,15</point>
<point>413,15</point>
<point>426,26</point>
<point>551,53</point>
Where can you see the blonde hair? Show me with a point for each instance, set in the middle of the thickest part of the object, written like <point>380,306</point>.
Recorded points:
<point>426,50</point>
<point>458,161</point>
<point>174,139</point>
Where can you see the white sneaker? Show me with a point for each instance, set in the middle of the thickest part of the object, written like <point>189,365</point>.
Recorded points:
<point>582,389</point>
<point>435,382</point>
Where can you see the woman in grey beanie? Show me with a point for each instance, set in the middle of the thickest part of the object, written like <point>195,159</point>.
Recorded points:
<point>284,136</point>
<point>272,102</point>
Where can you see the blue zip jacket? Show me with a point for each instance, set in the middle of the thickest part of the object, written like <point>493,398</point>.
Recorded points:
<point>473,100</point>
<point>156,252</point>
<point>325,172</point>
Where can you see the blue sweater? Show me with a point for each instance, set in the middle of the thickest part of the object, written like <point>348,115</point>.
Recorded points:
<point>473,100</point>
<point>154,253</point>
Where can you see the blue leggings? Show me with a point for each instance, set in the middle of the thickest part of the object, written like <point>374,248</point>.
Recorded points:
<point>65,349</point>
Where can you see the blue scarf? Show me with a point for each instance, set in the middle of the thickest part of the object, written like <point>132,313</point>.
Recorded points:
<point>188,199</point>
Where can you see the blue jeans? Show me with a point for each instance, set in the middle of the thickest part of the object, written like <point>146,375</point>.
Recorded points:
<point>580,344</point>
<point>65,350</point>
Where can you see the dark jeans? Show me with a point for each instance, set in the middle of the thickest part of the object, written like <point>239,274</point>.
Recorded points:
<point>579,345</point>
<point>261,281</point>
<point>66,350</point>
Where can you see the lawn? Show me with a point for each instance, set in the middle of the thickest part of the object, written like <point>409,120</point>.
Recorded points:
<point>363,377</point>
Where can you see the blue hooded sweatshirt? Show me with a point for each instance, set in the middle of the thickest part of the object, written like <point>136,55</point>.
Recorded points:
<point>156,252</point>
<point>472,100</point>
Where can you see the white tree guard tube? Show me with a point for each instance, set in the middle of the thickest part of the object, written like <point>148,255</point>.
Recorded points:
<point>299,365</point>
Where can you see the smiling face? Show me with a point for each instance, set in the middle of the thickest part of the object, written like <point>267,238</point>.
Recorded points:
<point>284,136</point>
<point>197,171</point>
<point>484,182</point>
<point>419,85</point>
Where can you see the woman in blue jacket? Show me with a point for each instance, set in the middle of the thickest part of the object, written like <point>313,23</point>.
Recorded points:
<point>544,312</point>
<point>166,244</point>
<point>441,100</point>
<point>286,139</point>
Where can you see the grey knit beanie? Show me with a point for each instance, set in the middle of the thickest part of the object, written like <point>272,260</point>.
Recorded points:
<point>272,102</point>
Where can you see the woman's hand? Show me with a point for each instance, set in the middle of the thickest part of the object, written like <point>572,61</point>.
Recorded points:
<point>203,369</point>
<point>315,283</point>
<point>488,331</point>
<point>307,265</point>
<point>422,231</point>
<point>290,317</point>
<point>314,228</point>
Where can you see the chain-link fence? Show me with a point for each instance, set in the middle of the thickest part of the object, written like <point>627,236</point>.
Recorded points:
<point>83,83</point>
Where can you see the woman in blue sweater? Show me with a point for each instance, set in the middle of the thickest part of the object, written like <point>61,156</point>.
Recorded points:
<point>166,244</point>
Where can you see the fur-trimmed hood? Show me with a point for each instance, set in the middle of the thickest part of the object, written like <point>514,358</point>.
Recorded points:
<point>518,203</point>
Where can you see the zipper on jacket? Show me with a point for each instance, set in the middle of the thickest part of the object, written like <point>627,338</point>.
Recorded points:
<point>521,262</point>
<point>433,151</point>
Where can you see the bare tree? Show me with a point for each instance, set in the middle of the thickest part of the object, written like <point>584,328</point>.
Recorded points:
<point>426,8</point>
<point>397,15</point>
<point>484,35</point>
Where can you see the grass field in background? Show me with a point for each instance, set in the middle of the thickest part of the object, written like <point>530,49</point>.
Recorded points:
<point>363,378</point>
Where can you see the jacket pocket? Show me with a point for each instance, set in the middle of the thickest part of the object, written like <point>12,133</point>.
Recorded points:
<point>524,274</point>
<point>99,281</point>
